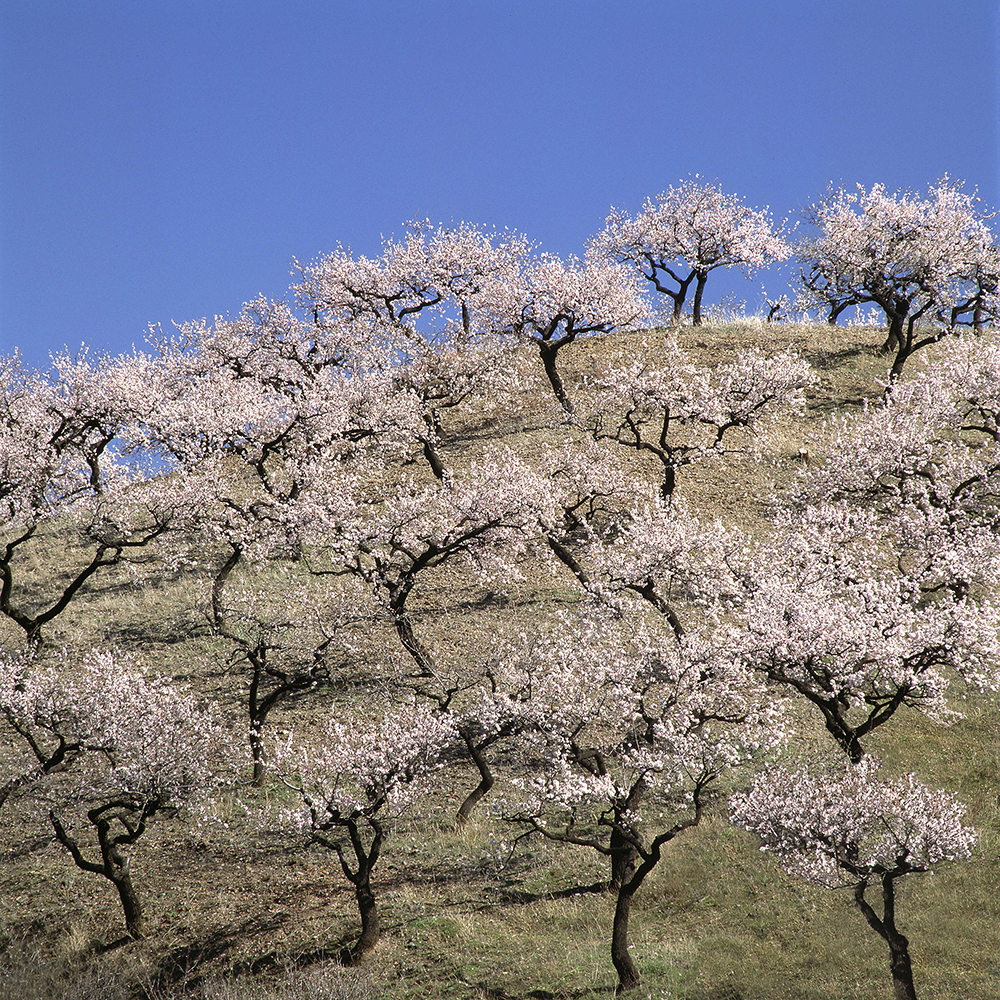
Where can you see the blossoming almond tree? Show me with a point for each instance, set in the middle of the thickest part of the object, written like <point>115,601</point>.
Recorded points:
<point>911,256</point>
<point>427,310</point>
<point>456,273</point>
<point>63,435</point>
<point>932,444</point>
<point>354,777</point>
<point>49,715</point>
<point>157,745</point>
<point>685,233</point>
<point>260,413</point>
<point>559,300</point>
<point>855,829</point>
<point>486,517</point>
<point>680,413</point>
<point>827,613</point>
<point>632,726</point>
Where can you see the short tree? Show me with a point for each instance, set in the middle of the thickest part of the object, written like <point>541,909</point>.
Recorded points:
<point>50,716</point>
<point>68,464</point>
<point>931,447</point>
<point>259,414</point>
<point>432,310</point>
<point>681,414</point>
<point>911,256</point>
<point>157,748</point>
<point>354,777</point>
<point>687,232</point>
<point>827,612</point>
<point>558,300</point>
<point>876,592</point>
<point>487,517</point>
<point>855,829</point>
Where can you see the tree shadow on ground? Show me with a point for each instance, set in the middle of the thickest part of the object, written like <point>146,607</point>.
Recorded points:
<point>184,965</point>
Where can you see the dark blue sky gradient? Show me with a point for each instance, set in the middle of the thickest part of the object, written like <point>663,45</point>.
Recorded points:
<point>166,161</point>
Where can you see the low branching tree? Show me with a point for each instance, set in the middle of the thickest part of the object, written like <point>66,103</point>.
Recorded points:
<point>876,592</point>
<point>158,747</point>
<point>485,518</point>
<point>930,448</point>
<point>264,413</point>
<point>69,464</point>
<point>560,301</point>
<point>355,776</point>
<point>51,718</point>
<point>633,729</point>
<point>914,257</point>
<point>687,232</point>
<point>287,642</point>
<point>857,830</point>
<point>432,311</point>
<point>828,613</point>
<point>681,414</point>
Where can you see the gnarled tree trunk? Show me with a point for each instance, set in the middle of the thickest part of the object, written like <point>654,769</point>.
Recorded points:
<point>628,975</point>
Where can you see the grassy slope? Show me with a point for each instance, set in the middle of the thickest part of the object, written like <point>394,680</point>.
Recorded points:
<point>233,909</point>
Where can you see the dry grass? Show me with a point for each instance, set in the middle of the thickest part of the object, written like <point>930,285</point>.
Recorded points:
<point>237,914</point>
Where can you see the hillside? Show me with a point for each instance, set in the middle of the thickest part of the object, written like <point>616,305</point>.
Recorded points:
<point>237,910</point>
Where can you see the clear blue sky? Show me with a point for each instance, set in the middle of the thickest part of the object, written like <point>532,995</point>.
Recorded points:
<point>165,161</point>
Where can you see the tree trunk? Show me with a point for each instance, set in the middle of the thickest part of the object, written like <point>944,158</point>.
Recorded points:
<point>848,740</point>
<point>699,288</point>
<point>897,365</point>
<point>835,311</point>
<point>370,931</point>
<point>902,973</point>
<point>418,652</point>
<point>885,927</point>
<point>548,353</point>
<point>257,754</point>
<point>669,482</point>
<point>623,857</point>
<point>894,334</point>
<point>628,975</point>
<point>977,314</point>
<point>132,908</point>
<point>486,780</point>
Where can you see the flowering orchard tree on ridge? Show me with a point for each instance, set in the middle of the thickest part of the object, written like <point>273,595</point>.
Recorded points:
<point>877,591</point>
<point>858,830</point>
<point>50,716</point>
<point>486,517</point>
<point>681,413</point>
<point>826,612</point>
<point>932,446</point>
<point>267,417</point>
<point>562,300</point>
<point>434,311</point>
<point>687,232</point>
<point>916,258</point>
